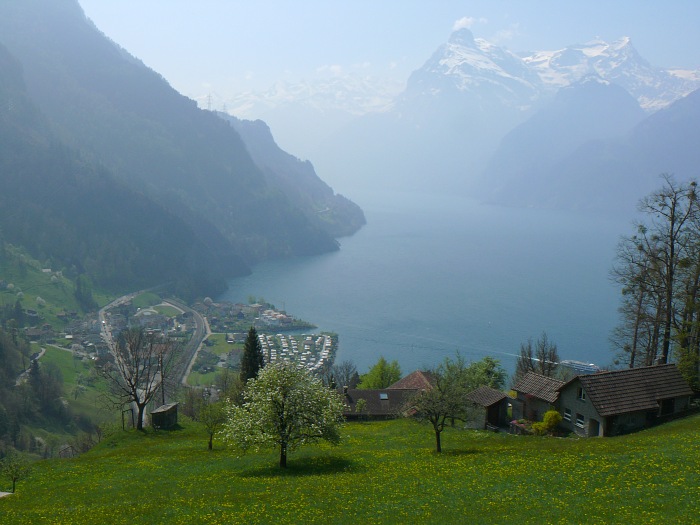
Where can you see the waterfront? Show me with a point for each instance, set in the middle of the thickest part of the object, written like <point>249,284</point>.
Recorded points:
<point>431,275</point>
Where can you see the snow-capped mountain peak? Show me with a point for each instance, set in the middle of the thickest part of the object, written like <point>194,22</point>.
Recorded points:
<point>620,63</point>
<point>471,64</point>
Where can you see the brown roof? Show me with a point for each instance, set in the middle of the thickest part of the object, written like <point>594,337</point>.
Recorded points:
<point>539,386</point>
<point>385,402</point>
<point>486,396</point>
<point>418,380</point>
<point>633,389</point>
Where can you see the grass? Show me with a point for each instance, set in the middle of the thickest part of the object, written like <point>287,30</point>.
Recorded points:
<point>199,379</point>
<point>90,402</point>
<point>219,347</point>
<point>49,293</point>
<point>146,300</point>
<point>383,472</point>
<point>167,310</point>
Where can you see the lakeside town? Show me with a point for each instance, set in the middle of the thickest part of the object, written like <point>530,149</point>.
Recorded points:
<point>212,333</point>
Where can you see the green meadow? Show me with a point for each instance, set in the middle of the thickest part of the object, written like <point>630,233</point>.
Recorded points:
<point>218,347</point>
<point>80,372</point>
<point>382,472</point>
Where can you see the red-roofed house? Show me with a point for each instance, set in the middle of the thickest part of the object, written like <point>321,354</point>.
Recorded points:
<point>535,395</point>
<point>418,380</point>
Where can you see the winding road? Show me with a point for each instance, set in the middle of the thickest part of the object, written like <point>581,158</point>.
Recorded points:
<point>183,366</point>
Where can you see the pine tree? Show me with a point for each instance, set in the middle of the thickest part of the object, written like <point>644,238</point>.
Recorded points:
<point>252,359</point>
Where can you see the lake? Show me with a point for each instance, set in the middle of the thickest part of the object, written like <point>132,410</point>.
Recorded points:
<point>430,275</point>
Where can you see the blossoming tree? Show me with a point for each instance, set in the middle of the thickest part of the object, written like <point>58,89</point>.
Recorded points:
<point>285,407</point>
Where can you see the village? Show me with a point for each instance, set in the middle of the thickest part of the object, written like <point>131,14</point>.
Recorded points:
<point>590,403</point>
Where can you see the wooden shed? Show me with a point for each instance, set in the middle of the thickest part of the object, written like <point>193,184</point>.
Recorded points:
<point>165,416</point>
<point>493,406</point>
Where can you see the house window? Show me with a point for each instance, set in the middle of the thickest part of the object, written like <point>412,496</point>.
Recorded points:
<point>383,396</point>
<point>567,414</point>
<point>579,420</point>
<point>581,394</point>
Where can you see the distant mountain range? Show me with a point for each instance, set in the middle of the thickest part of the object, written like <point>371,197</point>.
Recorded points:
<point>618,62</point>
<point>206,206</point>
<point>468,62</point>
<point>482,120</point>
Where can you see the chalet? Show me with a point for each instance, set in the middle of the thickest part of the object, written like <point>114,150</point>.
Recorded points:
<point>378,403</point>
<point>418,380</point>
<point>612,403</point>
<point>535,394</point>
<point>389,402</point>
<point>492,407</point>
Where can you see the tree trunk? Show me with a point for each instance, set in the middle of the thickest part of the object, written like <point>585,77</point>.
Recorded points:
<point>438,447</point>
<point>654,346</point>
<point>211,439</point>
<point>637,322</point>
<point>283,456</point>
<point>139,419</point>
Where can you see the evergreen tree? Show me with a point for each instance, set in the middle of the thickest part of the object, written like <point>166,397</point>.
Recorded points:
<point>252,359</point>
<point>83,293</point>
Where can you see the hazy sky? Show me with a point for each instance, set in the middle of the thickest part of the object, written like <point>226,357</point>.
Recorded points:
<point>230,46</point>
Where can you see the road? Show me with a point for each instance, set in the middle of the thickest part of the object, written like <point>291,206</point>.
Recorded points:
<point>189,353</point>
<point>200,333</point>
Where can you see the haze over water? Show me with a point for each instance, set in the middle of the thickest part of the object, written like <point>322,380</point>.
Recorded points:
<point>431,275</point>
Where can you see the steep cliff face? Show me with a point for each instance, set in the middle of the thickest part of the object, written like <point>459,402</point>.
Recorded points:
<point>110,106</point>
<point>297,179</point>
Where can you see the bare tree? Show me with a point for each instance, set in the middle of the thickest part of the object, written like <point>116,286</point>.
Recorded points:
<point>542,358</point>
<point>688,330</point>
<point>659,272</point>
<point>345,374</point>
<point>666,242</point>
<point>637,334</point>
<point>142,362</point>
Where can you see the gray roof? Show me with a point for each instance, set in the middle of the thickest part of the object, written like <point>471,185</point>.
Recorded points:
<point>633,389</point>
<point>486,396</point>
<point>539,386</point>
<point>380,403</point>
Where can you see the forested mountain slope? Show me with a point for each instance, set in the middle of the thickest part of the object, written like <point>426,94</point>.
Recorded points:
<point>64,208</point>
<point>114,111</point>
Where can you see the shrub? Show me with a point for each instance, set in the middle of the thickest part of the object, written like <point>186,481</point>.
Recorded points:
<point>539,428</point>
<point>551,419</point>
<point>549,422</point>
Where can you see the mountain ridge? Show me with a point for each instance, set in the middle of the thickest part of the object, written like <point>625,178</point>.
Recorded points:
<point>107,105</point>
